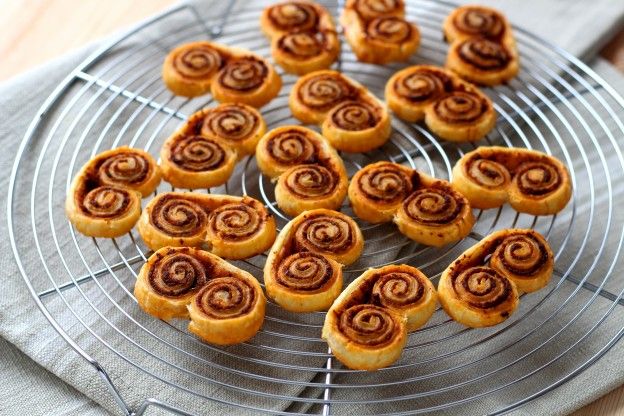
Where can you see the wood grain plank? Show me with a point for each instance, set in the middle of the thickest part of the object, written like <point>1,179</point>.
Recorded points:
<point>35,31</point>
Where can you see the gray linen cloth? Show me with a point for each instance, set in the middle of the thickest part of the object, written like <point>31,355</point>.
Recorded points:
<point>43,375</point>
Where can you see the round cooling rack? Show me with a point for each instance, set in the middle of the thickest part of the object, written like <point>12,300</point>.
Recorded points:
<point>84,286</point>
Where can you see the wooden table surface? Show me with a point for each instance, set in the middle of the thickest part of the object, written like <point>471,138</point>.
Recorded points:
<point>35,31</point>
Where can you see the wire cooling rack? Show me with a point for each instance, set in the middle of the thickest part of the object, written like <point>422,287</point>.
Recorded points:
<point>84,286</point>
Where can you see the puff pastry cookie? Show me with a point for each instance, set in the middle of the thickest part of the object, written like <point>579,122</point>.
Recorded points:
<point>477,292</point>
<point>367,325</point>
<point>228,226</point>
<point>352,119</point>
<point>483,48</point>
<point>310,173</point>
<point>378,32</point>
<point>303,36</point>
<point>105,195</point>
<point>425,209</point>
<point>532,182</point>
<point>224,303</point>
<point>203,153</point>
<point>303,271</point>
<point>231,75</point>
<point>453,109</point>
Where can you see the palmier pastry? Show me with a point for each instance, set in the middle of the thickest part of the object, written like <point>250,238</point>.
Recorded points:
<point>453,109</point>
<point>425,209</point>
<point>203,153</point>
<point>311,174</point>
<point>303,36</point>
<point>303,271</point>
<point>228,226</point>
<point>224,303</point>
<point>105,196</point>
<point>378,32</point>
<point>483,49</point>
<point>479,293</point>
<point>232,75</point>
<point>367,325</point>
<point>352,119</point>
<point>532,182</point>
<point>237,125</point>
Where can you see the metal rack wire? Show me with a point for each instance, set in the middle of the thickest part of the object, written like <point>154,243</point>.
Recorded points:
<point>84,286</point>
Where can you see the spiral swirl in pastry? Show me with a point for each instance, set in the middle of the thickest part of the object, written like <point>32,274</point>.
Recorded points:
<point>230,122</point>
<point>521,254</point>
<point>370,9</point>
<point>385,183</point>
<point>199,61</point>
<point>537,178</point>
<point>104,199</point>
<point>292,147</point>
<point>434,206</point>
<point>324,91</point>
<point>460,107</point>
<point>177,274</point>
<point>389,29</point>
<point>325,234</point>
<point>178,217</point>
<point>307,277</point>
<point>484,54</point>
<point>478,21</point>
<point>488,173</point>
<point>482,287</point>
<point>310,181</point>
<point>106,202</point>
<point>302,45</point>
<point>197,153</point>
<point>368,325</point>
<point>294,16</point>
<point>422,84</point>
<point>305,271</point>
<point>354,116</point>
<point>225,298</point>
<point>531,181</point>
<point>398,289</point>
<point>243,74</point>
<point>123,168</point>
<point>235,221</point>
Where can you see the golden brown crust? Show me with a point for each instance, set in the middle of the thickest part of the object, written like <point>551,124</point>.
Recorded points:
<point>453,109</point>
<point>225,304</point>
<point>192,161</point>
<point>303,271</point>
<point>483,49</point>
<point>105,196</point>
<point>303,36</point>
<point>378,32</point>
<point>367,325</point>
<point>305,52</point>
<point>247,79</point>
<point>294,16</point>
<point>203,153</point>
<point>189,69</point>
<point>311,174</point>
<point>480,293</point>
<point>230,227</point>
<point>238,125</point>
<point>425,209</point>
<point>232,75</point>
<point>531,181</point>
<point>352,119</point>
